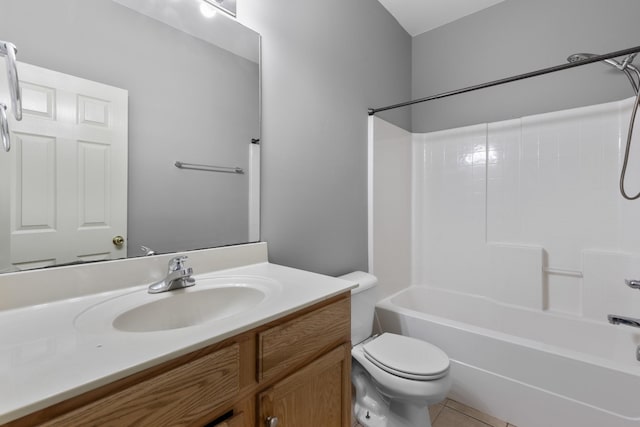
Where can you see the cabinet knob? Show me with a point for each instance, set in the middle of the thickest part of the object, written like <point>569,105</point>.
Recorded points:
<point>272,421</point>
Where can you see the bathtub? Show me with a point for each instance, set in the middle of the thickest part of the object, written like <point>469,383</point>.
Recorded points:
<point>531,368</point>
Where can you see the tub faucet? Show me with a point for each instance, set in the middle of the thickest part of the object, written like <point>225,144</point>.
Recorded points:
<point>178,277</point>
<point>629,321</point>
<point>623,320</point>
<point>634,284</point>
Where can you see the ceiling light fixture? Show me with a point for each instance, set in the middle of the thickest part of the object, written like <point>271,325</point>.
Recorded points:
<point>227,6</point>
<point>207,10</point>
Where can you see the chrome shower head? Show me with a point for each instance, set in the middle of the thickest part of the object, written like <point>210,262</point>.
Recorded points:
<point>582,56</point>
<point>623,66</point>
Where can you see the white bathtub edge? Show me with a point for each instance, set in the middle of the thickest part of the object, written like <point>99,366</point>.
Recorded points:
<point>523,405</point>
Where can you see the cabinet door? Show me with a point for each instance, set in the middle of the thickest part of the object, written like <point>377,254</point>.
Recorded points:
<point>318,395</point>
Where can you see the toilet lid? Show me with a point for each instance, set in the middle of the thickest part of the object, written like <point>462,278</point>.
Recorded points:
<point>407,357</point>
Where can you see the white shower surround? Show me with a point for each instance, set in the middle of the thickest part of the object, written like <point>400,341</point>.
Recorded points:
<point>527,212</point>
<point>520,246</point>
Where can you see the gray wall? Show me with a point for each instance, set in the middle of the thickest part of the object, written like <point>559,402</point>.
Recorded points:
<point>324,64</point>
<point>514,37</point>
<point>188,101</point>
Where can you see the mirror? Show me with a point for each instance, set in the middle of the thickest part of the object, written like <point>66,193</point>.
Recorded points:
<point>115,92</point>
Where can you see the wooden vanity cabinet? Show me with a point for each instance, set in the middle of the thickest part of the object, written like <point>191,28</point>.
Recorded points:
<point>296,368</point>
<point>316,395</point>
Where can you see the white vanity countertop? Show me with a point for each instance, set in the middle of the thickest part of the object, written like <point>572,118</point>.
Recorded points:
<point>45,359</point>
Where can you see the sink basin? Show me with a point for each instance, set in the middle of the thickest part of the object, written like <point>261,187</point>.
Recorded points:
<point>184,309</point>
<point>209,300</point>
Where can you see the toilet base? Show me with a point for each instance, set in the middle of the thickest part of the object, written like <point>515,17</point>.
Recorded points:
<point>397,417</point>
<point>367,418</point>
<point>372,409</point>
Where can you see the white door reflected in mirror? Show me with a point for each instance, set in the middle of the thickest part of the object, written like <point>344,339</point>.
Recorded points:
<point>68,177</point>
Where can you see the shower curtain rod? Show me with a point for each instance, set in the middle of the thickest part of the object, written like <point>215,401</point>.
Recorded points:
<point>536,73</point>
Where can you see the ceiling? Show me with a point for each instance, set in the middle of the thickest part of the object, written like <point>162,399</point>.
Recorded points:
<point>418,16</point>
<point>214,28</point>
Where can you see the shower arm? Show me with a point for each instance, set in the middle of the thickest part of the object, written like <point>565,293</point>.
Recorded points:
<point>628,61</point>
<point>624,66</point>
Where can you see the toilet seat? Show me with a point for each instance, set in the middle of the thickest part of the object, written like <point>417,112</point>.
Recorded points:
<point>407,357</point>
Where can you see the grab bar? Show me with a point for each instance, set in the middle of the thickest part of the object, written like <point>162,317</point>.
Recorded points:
<point>209,168</point>
<point>561,272</point>
<point>4,128</point>
<point>9,50</point>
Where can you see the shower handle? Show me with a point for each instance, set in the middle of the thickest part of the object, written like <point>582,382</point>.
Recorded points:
<point>635,284</point>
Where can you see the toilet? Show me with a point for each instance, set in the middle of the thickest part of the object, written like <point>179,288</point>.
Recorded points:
<point>395,377</point>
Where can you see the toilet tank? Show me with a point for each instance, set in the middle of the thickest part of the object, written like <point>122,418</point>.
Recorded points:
<point>363,304</point>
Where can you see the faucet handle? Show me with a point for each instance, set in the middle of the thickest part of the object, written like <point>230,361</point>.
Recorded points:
<point>177,263</point>
<point>147,250</point>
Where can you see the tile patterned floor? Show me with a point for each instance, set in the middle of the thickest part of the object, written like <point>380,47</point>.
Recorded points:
<point>450,413</point>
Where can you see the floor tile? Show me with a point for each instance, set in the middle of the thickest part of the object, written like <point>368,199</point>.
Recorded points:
<point>451,418</point>
<point>450,413</point>
<point>434,410</point>
<point>474,413</point>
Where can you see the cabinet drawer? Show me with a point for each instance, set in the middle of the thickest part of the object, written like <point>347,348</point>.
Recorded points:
<point>174,397</point>
<point>283,347</point>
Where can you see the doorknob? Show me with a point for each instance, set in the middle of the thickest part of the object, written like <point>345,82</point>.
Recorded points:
<point>118,241</point>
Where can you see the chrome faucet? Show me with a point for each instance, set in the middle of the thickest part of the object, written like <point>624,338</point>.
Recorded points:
<point>178,277</point>
<point>614,319</point>
<point>629,321</point>
<point>147,250</point>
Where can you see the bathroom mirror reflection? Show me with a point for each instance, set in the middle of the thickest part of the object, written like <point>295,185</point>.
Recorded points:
<point>115,93</point>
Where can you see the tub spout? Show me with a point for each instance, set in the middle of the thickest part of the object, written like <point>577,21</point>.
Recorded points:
<point>623,320</point>
<point>634,284</point>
